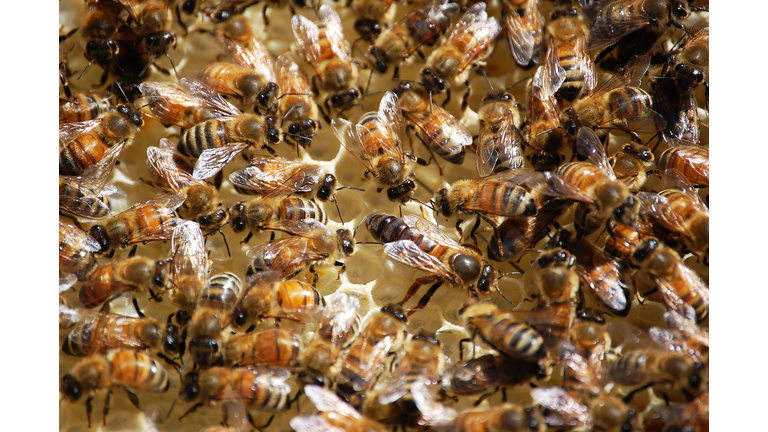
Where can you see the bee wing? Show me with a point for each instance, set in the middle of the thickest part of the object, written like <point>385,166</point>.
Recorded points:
<point>630,75</point>
<point>431,230</point>
<point>70,131</point>
<point>91,184</point>
<point>313,423</point>
<point>442,120</point>
<point>78,238</point>
<point>327,401</point>
<point>550,75</point>
<point>302,180</point>
<point>133,7</point>
<point>610,286</point>
<point>658,207</point>
<point>211,161</point>
<point>406,252</point>
<point>309,228</point>
<point>505,144</point>
<point>348,135</point>
<point>190,260</point>
<point>432,412</point>
<point>307,36</point>
<point>671,340</point>
<point>483,30</point>
<point>589,145</point>
<point>681,182</point>
<point>289,73</point>
<point>255,58</point>
<point>209,98</point>
<point>567,410</point>
<point>584,62</point>
<point>160,162</point>
<point>66,282</point>
<point>439,15</point>
<point>390,113</point>
<point>520,40</point>
<point>614,21</point>
<point>686,324</point>
<point>548,183</point>
<point>342,310</point>
<point>584,371</point>
<point>282,254</point>
<point>647,121</point>
<point>334,32</point>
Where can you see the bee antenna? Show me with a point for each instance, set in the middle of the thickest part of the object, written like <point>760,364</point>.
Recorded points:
<point>296,136</point>
<point>482,69</point>
<point>374,93</point>
<point>173,404</point>
<point>429,206</point>
<point>498,290</point>
<point>173,66</point>
<point>369,242</point>
<point>663,77</point>
<point>548,131</point>
<point>410,81</point>
<point>354,233</point>
<point>338,210</point>
<point>151,59</point>
<point>368,85</point>
<point>86,68</point>
<point>69,100</point>
<point>554,106</point>
<point>349,187</point>
<point>518,82</point>
<point>507,274</point>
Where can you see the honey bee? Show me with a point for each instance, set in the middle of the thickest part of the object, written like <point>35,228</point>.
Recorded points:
<point>625,229</point>
<point>384,331</point>
<point>126,275</point>
<point>679,285</point>
<point>323,46</point>
<point>83,144</point>
<point>568,69</point>
<point>68,316</point>
<point>437,129</point>
<point>190,270</point>
<point>228,10</point>
<point>517,236</point>
<point>272,347</point>
<point>524,25</point>
<point>185,108</point>
<point>618,103</point>
<point>113,332</point>
<point>499,145</point>
<point>375,142</point>
<point>86,195</point>
<point>683,335</point>
<point>422,25</point>
<point>336,329</point>
<point>153,220</point>
<point>632,165</point>
<point>281,177</point>
<point>247,74</point>
<point>335,414</point>
<point>76,258</point>
<point>469,43</point>
<point>292,299</point>
<point>692,62</point>
<point>98,30</point>
<point>417,243</point>
<point>83,106</point>
<point>544,130</point>
<point>692,416</point>
<point>691,161</point>
<point>680,111</point>
<point>370,14</point>
<point>267,213</point>
<point>480,374</point>
<point>296,107</point>
<point>173,174</point>
<point>127,369</point>
<point>152,23</point>
<point>501,331</point>
<point>312,245</point>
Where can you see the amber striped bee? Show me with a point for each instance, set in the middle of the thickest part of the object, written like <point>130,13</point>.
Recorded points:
<point>153,220</point>
<point>516,236</point>
<point>194,103</point>
<point>83,144</point>
<point>507,417</point>
<point>499,145</point>
<point>471,41</point>
<point>524,27</point>
<point>481,374</point>
<point>125,276</point>
<point>422,245</point>
<point>86,195</point>
<point>268,212</point>
<point>127,369</point>
<point>691,161</point>
<point>323,46</point>
<point>296,107</point>
<point>680,111</point>
<point>152,21</point>
<point>99,31</point>
<point>335,414</point>
<point>281,177</point>
<point>370,15</point>
<point>423,25</point>
<point>106,332</point>
<point>437,129</point>
<point>544,132</point>
<point>375,142</point>
<point>683,335</point>
<point>271,347</point>
<point>83,106</point>
<point>293,300</point>
<point>633,164</point>
<point>76,249</point>
<point>190,268</point>
<point>68,316</point>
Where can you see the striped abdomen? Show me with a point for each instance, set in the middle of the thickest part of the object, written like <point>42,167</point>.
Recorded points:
<point>691,290</point>
<point>273,347</point>
<point>82,153</point>
<point>390,229</point>
<point>519,341</point>
<point>502,199</point>
<point>691,161</point>
<point>73,260</point>
<point>255,393</point>
<point>139,372</point>
<point>629,102</point>
<point>375,137</point>
<point>233,80</point>
<point>633,368</point>
<point>295,295</point>
<point>85,204</point>
<point>222,292</point>
<point>361,364</point>
<point>582,175</point>
<point>209,134</point>
<point>143,223</point>
<point>441,133</point>
<point>298,209</point>
<point>559,324</point>
<point>101,286</point>
<point>114,333</point>
<point>87,107</point>
<point>683,205</point>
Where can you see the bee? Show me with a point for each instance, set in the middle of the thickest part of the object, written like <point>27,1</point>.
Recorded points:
<point>683,335</point>
<point>296,107</point>
<point>569,69</point>
<point>86,195</point>
<point>501,331</point>
<point>190,272</point>
<point>99,30</point>
<point>107,332</point>
<point>544,130</point>
<point>268,212</point>
<point>323,46</point>
<point>83,106</point>
<point>334,414</point>
<point>482,373</point>
<point>261,389</point>
<point>680,111</point>
<point>632,165</point>
<point>422,25</point>
<point>292,299</point>
<point>173,174</point>
<point>384,331</point>
<point>417,243</point>
<point>312,245</point>
<point>153,220</point>
<point>507,417</point>
<point>68,317</point>
<point>227,11</point>
<point>370,15</point>
<point>692,62</point>
<point>125,275</point>
<point>524,25</point>
<point>83,144</point>
<point>336,329</point>
<point>517,236</point>
<point>375,142</point>
<point>691,161</point>
<point>281,177</point>
<point>589,339</point>
<point>678,284</point>
<point>127,369</point>
<point>76,259</point>
<point>271,347</point>
<point>247,74</point>
<point>152,23</point>
<point>499,145</point>
<point>618,103</point>
<point>193,104</point>
<point>437,129</point>
<point>469,43</point>
<point>692,416</point>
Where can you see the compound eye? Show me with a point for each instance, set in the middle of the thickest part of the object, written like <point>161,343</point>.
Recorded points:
<point>561,256</point>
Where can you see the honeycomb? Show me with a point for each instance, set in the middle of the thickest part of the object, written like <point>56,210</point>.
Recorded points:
<point>370,275</point>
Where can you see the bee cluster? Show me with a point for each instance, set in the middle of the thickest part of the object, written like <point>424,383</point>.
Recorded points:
<point>227,188</point>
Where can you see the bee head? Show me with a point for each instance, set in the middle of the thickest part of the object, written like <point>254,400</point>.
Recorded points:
<point>328,188</point>
<point>70,388</point>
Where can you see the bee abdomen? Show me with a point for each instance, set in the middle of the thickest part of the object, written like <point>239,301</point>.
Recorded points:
<point>518,340</point>
<point>203,136</point>
<point>139,371</point>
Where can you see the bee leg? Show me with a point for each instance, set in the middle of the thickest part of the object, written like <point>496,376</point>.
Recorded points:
<point>266,425</point>
<point>136,306</point>
<point>88,409</point>
<point>421,54</point>
<point>459,230</point>
<point>264,15</point>
<point>630,395</point>
<point>474,228</point>
<point>425,298</point>
<point>193,409</point>
<point>415,287</point>
<point>248,237</point>
<point>461,348</point>
<point>105,411</point>
<point>396,74</point>
<point>503,394</point>
<point>132,253</point>
<point>315,276</point>
<point>465,98</point>
<point>635,137</point>
<point>218,179</point>
<point>153,295</point>
<point>251,328</point>
<point>485,396</point>
<point>447,97</point>
<point>250,421</point>
<point>296,399</point>
<point>272,236</point>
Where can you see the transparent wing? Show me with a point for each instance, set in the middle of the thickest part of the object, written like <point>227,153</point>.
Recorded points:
<point>504,145</point>
<point>91,184</point>
<point>406,252</point>
<point>551,75</point>
<point>190,261</point>
<point>431,230</point>
<point>439,16</point>
<point>483,30</point>
<point>630,75</point>
<point>302,180</point>
<point>443,121</point>
<point>210,98</point>
<point>70,131</point>
<point>327,401</point>
<point>658,207</point>
<point>584,61</point>
<point>66,282</point>
<point>334,32</point>
<point>568,411</point>
<point>289,74</point>
<point>211,161</point>
<point>392,116</point>
<point>78,238</point>
<point>307,36</point>
<point>348,136</point>
<point>254,57</point>
<point>520,40</point>
<point>589,145</point>
<point>255,178</point>
<point>282,255</point>
<point>583,370</point>
<point>342,311</point>
<point>548,183</point>
<point>646,121</point>
<point>313,423</point>
<point>610,286</point>
<point>432,412</point>
<point>160,162</point>
<point>681,182</point>
<point>614,21</point>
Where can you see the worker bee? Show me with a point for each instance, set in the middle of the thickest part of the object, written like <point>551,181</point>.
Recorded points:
<point>692,61</point>
<point>625,229</point>
<point>480,374</point>
<point>312,245</point>
<point>417,243</point>
<point>173,174</point>
<point>83,144</point>
<point>336,329</point>
<point>524,25</point>
<point>691,416</point>
<point>296,107</point>
<point>499,145</point>
<point>281,177</point>
<point>125,275</point>
<point>185,108</point>
<point>292,299</point>
<point>678,284</point>
<point>152,21</point>
<point>544,131</point>
<point>190,269</point>
<point>153,220</point>
<point>268,212</point>
<point>507,417</point>
<point>272,347</point>
<point>683,335</point>
<point>335,414</point>
<point>691,161</point>
<point>618,103</point>
<point>76,258</point>
<point>247,74</point>
<point>68,316</point>
<point>107,332</point>
<point>632,165</point>
<point>375,142</point>
<point>127,369</point>
<point>680,111</point>
<point>469,43</point>
<point>501,331</point>
<point>98,30</point>
<point>228,10</point>
<point>516,236</point>
<point>83,106</point>
<point>323,46</point>
<point>384,331</point>
<point>568,69</point>
<point>370,14</point>
<point>86,195</point>
<point>437,129</point>
<point>422,25</point>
